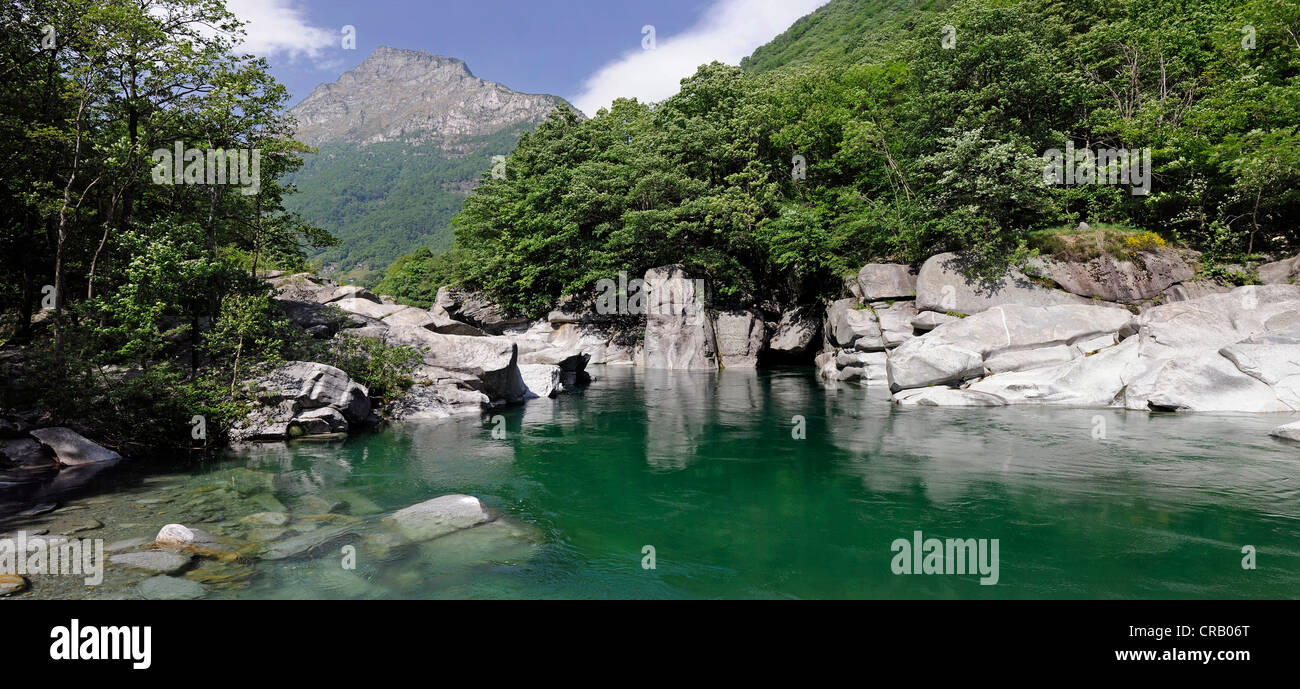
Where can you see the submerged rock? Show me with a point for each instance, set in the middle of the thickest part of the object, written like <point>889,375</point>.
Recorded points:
<point>439,517</point>
<point>501,542</point>
<point>159,561</point>
<point>163,587</point>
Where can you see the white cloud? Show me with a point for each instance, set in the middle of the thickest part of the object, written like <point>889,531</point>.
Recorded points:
<point>729,31</point>
<point>278,27</point>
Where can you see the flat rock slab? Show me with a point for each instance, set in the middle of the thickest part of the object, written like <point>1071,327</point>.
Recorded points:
<point>158,561</point>
<point>940,396</point>
<point>1290,431</point>
<point>439,517</point>
<point>163,587</point>
<point>72,449</point>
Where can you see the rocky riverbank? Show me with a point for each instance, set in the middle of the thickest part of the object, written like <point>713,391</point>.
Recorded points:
<point>211,535</point>
<point>1140,333</point>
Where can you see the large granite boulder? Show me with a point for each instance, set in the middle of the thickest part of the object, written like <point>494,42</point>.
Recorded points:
<point>1290,431</point>
<point>1231,352</point>
<point>368,308</point>
<point>941,287</point>
<point>309,383</point>
<point>895,320</point>
<point>880,281</point>
<point>493,360</point>
<point>847,322</point>
<point>72,449</point>
<point>796,333</point>
<point>957,351</point>
<point>411,316</point>
<point>542,380</point>
<point>438,517</point>
<point>742,335</point>
<point>438,400</point>
<point>25,452</point>
<point>1284,272</point>
<point>476,310</point>
<point>1133,280</point>
<point>678,332</point>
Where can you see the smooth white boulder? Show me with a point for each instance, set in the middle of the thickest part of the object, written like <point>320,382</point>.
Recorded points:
<point>1290,431</point>
<point>956,351</point>
<point>439,517</point>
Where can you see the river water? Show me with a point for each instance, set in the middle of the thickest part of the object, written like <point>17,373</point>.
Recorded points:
<point>746,485</point>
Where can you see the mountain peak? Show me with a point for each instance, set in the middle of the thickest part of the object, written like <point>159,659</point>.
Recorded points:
<point>399,94</point>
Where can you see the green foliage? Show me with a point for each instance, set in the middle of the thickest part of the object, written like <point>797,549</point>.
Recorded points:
<point>910,148</point>
<point>156,312</point>
<point>414,279</point>
<point>385,370</point>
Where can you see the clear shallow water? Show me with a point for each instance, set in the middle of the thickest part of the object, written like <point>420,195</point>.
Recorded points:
<point>704,468</point>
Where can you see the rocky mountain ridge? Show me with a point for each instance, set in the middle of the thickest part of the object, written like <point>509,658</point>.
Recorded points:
<point>413,96</point>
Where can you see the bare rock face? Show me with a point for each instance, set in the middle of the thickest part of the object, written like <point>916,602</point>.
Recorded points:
<point>963,349</point>
<point>880,281</point>
<point>741,338</point>
<point>403,94</point>
<point>1280,272</point>
<point>678,334</point>
<point>796,334</point>
<point>71,449</point>
<point>847,323</point>
<point>475,310</point>
<point>1143,277</point>
<point>492,360</point>
<point>941,287</point>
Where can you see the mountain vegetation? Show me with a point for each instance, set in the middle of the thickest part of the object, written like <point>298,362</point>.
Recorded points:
<point>873,131</point>
<point>400,141</point>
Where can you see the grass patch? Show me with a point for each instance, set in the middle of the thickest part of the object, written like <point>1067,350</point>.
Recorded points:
<point>1071,244</point>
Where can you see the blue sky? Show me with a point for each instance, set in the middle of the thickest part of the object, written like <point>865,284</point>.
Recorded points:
<point>588,51</point>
